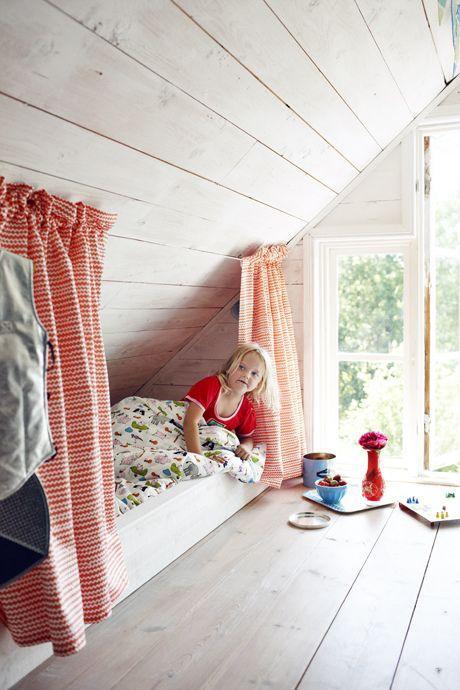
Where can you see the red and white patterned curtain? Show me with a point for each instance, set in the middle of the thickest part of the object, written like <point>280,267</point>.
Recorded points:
<point>84,572</point>
<point>266,318</point>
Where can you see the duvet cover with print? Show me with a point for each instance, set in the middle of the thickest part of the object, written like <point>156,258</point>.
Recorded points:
<point>150,454</point>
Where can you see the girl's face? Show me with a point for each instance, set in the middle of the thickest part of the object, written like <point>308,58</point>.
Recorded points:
<point>247,375</point>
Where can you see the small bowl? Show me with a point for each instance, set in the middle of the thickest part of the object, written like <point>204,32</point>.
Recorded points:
<point>331,494</point>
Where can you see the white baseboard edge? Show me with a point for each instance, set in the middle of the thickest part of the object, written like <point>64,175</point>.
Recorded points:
<point>153,535</point>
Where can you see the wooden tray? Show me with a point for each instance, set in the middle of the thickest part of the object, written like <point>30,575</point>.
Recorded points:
<point>352,502</point>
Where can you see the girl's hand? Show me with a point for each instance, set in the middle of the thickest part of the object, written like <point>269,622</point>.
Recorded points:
<point>242,453</point>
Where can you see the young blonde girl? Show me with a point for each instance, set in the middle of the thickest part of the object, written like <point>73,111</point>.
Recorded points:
<point>226,398</point>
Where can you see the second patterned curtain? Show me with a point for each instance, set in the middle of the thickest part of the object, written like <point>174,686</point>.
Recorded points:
<point>265,318</point>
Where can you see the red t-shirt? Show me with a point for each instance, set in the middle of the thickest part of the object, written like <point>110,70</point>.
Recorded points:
<point>206,394</point>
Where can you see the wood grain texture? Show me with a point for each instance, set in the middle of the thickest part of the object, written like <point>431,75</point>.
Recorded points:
<point>383,183</point>
<point>164,39</point>
<point>261,176</point>
<point>260,597</point>
<point>201,358</point>
<point>207,353</point>
<point>404,39</point>
<point>377,200</point>
<point>123,295</point>
<point>259,604</point>
<point>131,371</point>
<point>324,29</point>
<point>366,637</point>
<point>114,320</point>
<point>136,344</point>
<point>162,391</point>
<point>350,213</point>
<point>429,658</point>
<point>204,126</point>
<point>258,40</point>
<point>215,227</point>
<point>442,37</point>
<point>152,263</point>
<point>56,64</point>
<point>221,339</point>
<point>203,352</point>
<point>189,372</point>
<point>33,139</point>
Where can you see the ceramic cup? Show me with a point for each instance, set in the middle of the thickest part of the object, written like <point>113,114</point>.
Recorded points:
<point>315,466</point>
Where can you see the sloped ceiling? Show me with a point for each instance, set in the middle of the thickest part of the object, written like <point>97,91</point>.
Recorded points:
<point>210,127</point>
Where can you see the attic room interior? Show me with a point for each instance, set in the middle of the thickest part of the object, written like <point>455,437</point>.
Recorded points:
<point>229,344</point>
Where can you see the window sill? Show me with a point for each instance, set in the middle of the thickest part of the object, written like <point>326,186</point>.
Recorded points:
<point>394,475</point>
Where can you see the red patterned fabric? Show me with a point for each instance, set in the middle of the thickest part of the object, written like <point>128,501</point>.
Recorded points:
<point>84,573</point>
<point>266,318</point>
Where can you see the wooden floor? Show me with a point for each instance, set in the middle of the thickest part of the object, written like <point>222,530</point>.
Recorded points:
<point>371,602</point>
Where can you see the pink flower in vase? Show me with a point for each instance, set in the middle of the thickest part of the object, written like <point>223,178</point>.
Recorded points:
<point>373,440</point>
<point>373,482</point>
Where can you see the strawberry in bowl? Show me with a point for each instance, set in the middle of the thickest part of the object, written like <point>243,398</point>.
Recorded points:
<point>331,489</point>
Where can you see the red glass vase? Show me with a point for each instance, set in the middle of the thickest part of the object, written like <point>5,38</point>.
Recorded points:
<point>373,482</point>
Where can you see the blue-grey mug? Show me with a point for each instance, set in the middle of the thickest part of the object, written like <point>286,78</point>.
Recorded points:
<point>315,466</point>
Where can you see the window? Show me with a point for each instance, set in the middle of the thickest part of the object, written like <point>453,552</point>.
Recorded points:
<point>364,357</point>
<point>442,300</point>
<point>370,352</point>
<point>383,306</point>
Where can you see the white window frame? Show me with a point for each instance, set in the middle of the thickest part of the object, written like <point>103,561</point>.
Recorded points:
<point>432,125</point>
<point>321,247</point>
<point>322,373</point>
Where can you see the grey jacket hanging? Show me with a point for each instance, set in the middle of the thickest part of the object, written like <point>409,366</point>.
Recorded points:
<point>25,439</point>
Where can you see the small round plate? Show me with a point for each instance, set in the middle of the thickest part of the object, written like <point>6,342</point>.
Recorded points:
<point>309,520</point>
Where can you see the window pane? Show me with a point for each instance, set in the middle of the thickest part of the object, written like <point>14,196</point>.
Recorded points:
<point>447,222</point>
<point>371,399</point>
<point>447,305</point>
<point>445,438</point>
<point>445,188</point>
<point>444,443</point>
<point>370,303</point>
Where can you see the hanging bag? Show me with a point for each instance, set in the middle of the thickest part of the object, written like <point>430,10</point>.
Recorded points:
<point>24,531</point>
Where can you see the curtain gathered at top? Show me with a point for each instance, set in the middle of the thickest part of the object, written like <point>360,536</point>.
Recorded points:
<point>266,318</point>
<point>84,572</point>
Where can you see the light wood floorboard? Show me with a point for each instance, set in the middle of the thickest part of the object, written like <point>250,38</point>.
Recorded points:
<point>368,602</point>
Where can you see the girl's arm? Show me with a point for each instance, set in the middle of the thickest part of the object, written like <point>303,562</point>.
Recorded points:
<point>243,451</point>
<point>192,439</point>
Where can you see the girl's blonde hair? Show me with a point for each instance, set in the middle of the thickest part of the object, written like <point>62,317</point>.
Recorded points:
<point>266,391</point>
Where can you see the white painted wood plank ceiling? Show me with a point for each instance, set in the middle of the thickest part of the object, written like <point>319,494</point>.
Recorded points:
<point>210,127</point>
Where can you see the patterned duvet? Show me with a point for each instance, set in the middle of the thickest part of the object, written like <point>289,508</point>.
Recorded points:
<point>150,453</point>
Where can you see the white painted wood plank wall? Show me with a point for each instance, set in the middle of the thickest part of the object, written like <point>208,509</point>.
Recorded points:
<point>375,203</point>
<point>210,128</point>
<point>213,346</point>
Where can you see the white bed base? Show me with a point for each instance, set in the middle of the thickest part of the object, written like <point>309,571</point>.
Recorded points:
<point>154,534</point>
